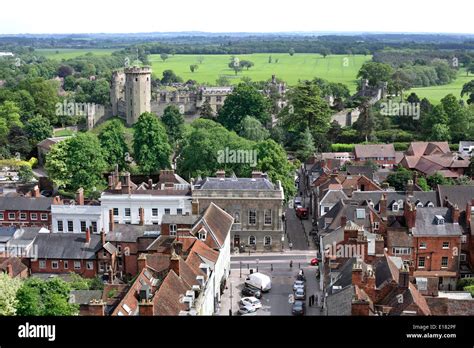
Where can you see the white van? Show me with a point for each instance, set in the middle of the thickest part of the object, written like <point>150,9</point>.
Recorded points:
<point>259,281</point>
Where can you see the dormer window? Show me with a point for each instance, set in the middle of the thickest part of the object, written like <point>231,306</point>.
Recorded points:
<point>395,207</point>
<point>439,220</point>
<point>419,205</point>
<point>202,235</point>
<point>430,204</point>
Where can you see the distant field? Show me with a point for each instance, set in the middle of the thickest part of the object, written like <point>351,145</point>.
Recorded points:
<point>67,53</point>
<point>435,93</point>
<point>335,68</point>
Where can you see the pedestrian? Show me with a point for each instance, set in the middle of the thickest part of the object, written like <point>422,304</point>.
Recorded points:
<point>290,245</point>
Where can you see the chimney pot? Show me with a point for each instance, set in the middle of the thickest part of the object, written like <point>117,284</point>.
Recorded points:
<point>80,196</point>
<point>88,235</point>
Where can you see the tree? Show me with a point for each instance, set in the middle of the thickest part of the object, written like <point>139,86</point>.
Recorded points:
<point>423,184</point>
<point>325,52</point>
<point>170,77</point>
<point>440,132</point>
<point>76,162</point>
<point>438,179</point>
<point>38,297</point>
<point>223,81</point>
<point>25,174</point>
<point>252,129</point>
<point>470,169</point>
<point>152,150</point>
<point>291,52</point>
<point>365,124</point>
<point>193,67</point>
<point>305,146</point>
<point>65,70</point>
<point>173,121</point>
<point>400,81</point>
<point>200,59</point>
<point>10,112</point>
<point>18,141</point>
<point>399,178</point>
<point>45,97</point>
<point>468,89</point>
<point>38,128</point>
<point>234,64</point>
<point>8,290</point>
<point>270,59</point>
<point>206,110</point>
<point>245,100</point>
<point>246,64</point>
<point>164,57</point>
<point>113,143</point>
<point>375,73</point>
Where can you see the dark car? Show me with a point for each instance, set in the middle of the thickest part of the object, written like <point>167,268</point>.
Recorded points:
<point>300,276</point>
<point>300,294</point>
<point>248,291</point>
<point>298,308</point>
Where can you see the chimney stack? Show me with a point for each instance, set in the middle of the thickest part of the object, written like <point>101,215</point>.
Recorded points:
<point>455,213</point>
<point>146,308</point>
<point>357,274</point>
<point>195,207</point>
<point>409,212</point>
<point>36,192</point>
<point>127,187</point>
<point>111,220</point>
<point>343,221</point>
<point>80,196</point>
<point>10,270</point>
<point>141,213</point>
<point>220,174</point>
<point>88,235</point>
<point>379,245</point>
<point>111,182</point>
<point>150,184</point>
<point>102,236</point>
<point>174,264</point>
<point>178,247</point>
<point>410,187</point>
<point>403,278</point>
<point>96,308</point>
<point>383,205</point>
<point>256,175</point>
<point>141,262</point>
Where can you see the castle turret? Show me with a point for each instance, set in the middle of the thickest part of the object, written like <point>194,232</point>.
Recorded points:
<point>137,92</point>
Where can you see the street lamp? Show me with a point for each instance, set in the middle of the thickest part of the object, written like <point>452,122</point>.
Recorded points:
<point>257,263</point>
<point>240,263</point>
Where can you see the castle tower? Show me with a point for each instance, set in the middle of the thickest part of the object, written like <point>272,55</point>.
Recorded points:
<point>137,93</point>
<point>117,91</point>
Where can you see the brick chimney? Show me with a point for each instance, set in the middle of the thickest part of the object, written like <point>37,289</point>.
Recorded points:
<point>111,182</point>
<point>88,235</point>
<point>111,220</point>
<point>36,191</point>
<point>403,278</point>
<point>357,275</point>
<point>410,187</point>
<point>141,262</point>
<point>178,247</point>
<point>383,205</point>
<point>10,270</point>
<point>409,212</point>
<point>80,196</point>
<point>220,174</point>
<point>256,175</point>
<point>379,244</point>
<point>57,200</point>
<point>174,264</point>
<point>455,213</point>
<point>96,308</point>
<point>150,184</point>
<point>195,207</point>
<point>146,308</point>
<point>127,186</point>
<point>141,213</point>
<point>102,237</point>
<point>343,220</point>
<point>468,215</point>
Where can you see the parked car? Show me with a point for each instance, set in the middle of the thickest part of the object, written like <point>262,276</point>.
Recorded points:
<point>301,276</point>
<point>298,284</point>
<point>297,202</point>
<point>300,294</point>
<point>302,213</point>
<point>251,301</point>
<point>260,281</point>
<point>247,310</point>
<point>250,291</point>
<point>314,262</point>
<point>298,308</point>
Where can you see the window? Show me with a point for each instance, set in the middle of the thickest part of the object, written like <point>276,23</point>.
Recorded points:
<point>237,217</point>
<point>22,216</point>
<point>34,216</point>
<point>77,264</point>
<point>83,226</point>
<point>445,245</point>
<point>360,213</point>
<point>267,241</point>
<point>115,211</point>
<point>167,211</point>
<point>66,265</point>
<point>268,217</point>
<point>395,207</point>
<point>401,251</point>
<point>90,265</point>
<point>54,264</point>
<point>179,211</point>
<point>127,212</point>
<point>101,267</point>
<point>42,264</point>
<point>421,262</point>
<point>463,239</point>
<point>462,257</point>
<point>423,245</point>
<point>444,262</point>
<point>202,235</point>
<point>173,229</point>
<point>376,225</point>
<point>252,217</point>
<point>2,216</point>
<point>94,226</point>
<point>439,220</point>
<point>11,216</point>
<point>44,217</point>
<point>70,226</point>
<point>60,226</point>
<point>431,205</point>
<point>325,209</point>
<point>252,240</point>
<point>154,212</point>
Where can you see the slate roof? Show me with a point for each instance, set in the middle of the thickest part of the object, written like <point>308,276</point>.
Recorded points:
<point>67,246</point>
<point>362,170</point>
<point>447,306</point>
<point>340,303</point>
<point>457,194</point>
<point>392,196</point>
<point>375,150</point>
<point>84,297</point>
<point>425,224</point>
<point>248,184</point>
<point>179,219</point>
<point>130,233</point>
<point>6,233</point>
<point>15,262</point>
<point>332,197</point>
<point>26,203</point>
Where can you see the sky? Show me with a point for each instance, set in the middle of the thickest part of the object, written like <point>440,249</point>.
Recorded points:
<point>120,16</point>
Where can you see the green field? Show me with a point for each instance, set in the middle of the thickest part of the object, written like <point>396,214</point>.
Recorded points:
<point>435,93</point>
<point>67,53</point>
<point>335,68</point>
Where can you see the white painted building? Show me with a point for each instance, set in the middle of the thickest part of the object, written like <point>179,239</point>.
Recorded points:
<point>76,218</point>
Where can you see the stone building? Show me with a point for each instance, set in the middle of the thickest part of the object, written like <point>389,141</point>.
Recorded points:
<point>256,205</point>
<point>137,93</point>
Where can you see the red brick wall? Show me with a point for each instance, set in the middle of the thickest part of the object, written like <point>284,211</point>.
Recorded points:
<point>27,222</point>
<point>434,249</point>
<point>84,272</point>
